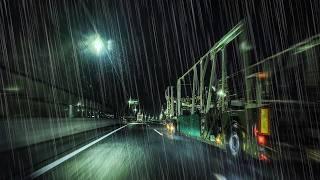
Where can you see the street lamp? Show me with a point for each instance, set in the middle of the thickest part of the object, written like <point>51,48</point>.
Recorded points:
<point>98,45</point>
<point>133,102</point>
<point>221,93</point>
<point>109,45</point>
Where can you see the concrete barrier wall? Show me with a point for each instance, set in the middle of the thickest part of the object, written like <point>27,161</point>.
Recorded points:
<point>23,96</point>
<point>15,133</point>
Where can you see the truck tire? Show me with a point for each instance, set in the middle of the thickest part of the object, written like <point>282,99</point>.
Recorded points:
<point>234,142</point>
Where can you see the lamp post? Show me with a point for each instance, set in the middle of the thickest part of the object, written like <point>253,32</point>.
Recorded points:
<point>133,103</point>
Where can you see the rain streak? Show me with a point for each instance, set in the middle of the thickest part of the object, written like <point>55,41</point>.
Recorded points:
<point>159,89</point>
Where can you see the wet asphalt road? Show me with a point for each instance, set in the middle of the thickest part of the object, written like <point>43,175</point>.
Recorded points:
<point>143,151</point>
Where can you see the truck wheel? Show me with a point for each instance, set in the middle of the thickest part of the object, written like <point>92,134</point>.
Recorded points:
<point>234,144</point>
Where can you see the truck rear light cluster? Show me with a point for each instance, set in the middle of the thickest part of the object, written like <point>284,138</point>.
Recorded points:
<point>262,75</point>
<point>264,121</point>
<point>263,157</point>
<point>262,139</point>
<point>263,130</point>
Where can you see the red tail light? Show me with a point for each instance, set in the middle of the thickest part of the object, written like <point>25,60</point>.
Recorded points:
<point>262,75</point>
<point>262,140</point>
<point>263,157</point>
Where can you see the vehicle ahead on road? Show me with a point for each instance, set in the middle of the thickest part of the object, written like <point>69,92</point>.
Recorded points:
<point>171,125</point>
<point>140,117</point>
<point>269,109</point>
<point>128,118</point>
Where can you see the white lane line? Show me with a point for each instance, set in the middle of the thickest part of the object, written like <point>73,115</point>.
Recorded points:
<point>136,123</point>
<point>158,132</point>
<point>48,167</point>
<point>220,177</point>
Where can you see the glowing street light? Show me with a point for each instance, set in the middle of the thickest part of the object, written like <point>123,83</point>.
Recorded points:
<point>221,93</point>
<point>109,45</point>
<point>133,102</point>
<point>97,45</point>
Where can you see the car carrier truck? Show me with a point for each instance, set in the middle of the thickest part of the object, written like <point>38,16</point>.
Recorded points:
<point>268,109</point>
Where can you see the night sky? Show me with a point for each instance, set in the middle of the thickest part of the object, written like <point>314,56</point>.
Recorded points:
<point>155,41</point>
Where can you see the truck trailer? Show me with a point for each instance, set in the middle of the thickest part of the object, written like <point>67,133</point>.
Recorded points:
<point>268,108</point>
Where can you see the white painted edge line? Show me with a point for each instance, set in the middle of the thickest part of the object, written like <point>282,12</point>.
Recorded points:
<point>136,123</point>
<point>158,132</point>
<point>220,177</point>
<point>50,166</point>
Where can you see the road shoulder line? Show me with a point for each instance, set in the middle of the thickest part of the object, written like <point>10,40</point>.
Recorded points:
<point>158,132</point>
<point>52,165</point>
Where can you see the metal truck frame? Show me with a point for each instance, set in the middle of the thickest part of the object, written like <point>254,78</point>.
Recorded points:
<point>239,124</point>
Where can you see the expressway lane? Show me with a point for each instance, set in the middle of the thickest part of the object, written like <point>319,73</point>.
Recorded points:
<point>140,151</point>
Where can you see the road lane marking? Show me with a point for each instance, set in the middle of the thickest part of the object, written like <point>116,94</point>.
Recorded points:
<point>158,132</point>
<point>220,177</point>
<point>136,123</point>
<point>50,166</point>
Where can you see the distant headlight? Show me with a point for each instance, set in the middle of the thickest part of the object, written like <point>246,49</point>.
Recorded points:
<point>171,127</point>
